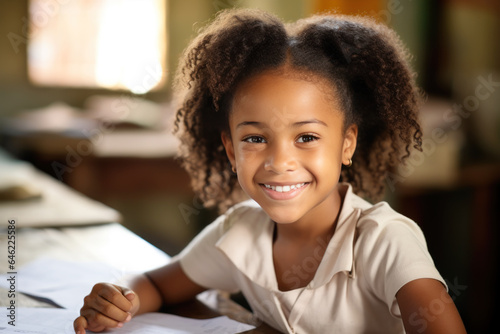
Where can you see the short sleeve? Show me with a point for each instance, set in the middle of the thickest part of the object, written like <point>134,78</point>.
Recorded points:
<point>393,254</point>
<point>204,263</point>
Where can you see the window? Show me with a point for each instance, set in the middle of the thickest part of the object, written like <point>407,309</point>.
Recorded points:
<point>113,44</point>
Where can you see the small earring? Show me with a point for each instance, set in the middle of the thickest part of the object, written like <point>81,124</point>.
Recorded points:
<point>350,163</point>
<point>233,169</point>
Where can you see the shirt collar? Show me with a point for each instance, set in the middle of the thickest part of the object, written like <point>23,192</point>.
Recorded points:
<point>248,243</point>
<point>339,254</point>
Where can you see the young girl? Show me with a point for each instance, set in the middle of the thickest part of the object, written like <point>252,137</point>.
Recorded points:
<point>281,113</point>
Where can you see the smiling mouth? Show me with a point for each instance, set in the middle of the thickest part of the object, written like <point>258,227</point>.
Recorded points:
<point>284,189</point>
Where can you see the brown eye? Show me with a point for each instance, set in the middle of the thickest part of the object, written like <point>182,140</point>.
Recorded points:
<point>306,138</point>
<point>254,140</point>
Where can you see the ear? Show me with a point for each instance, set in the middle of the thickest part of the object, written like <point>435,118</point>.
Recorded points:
<point>350,141</point>
<point>228,145</point>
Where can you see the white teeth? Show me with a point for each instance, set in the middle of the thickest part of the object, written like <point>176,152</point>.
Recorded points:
<point>284,189</point>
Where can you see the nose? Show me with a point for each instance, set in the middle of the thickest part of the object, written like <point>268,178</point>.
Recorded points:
<point>280,159</point>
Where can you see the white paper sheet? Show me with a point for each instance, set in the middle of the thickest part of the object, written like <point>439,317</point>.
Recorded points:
<point>152,323</point>
<point>39,321</point>
<point>60,321</point>
<point>63,282</point>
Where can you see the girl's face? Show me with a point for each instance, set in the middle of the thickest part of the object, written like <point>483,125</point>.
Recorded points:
<point>287,144</point>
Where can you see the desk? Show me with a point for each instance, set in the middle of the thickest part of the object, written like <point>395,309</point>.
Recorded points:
<point>108,243</point>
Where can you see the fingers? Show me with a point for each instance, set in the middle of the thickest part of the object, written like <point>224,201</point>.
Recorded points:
<point>113,294</point>
<point>98,322</point>
<point>129,294</point>
<point>105,307</point>
<point>132,297</point>
<point>79,325</point>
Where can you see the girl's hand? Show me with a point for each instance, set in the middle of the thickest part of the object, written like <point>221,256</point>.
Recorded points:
<point>107,306</point>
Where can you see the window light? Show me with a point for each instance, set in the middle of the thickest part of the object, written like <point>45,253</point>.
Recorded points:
<point>113,44</point>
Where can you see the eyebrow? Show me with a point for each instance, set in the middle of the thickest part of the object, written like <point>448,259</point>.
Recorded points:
<point>296,124</point>
<point>310,121</point>
<point>256,124</point>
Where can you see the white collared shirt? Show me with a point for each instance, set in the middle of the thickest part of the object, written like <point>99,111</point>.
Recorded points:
<point>373,253</point>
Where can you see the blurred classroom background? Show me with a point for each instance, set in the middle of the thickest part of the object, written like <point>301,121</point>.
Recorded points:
<point>85,91</point>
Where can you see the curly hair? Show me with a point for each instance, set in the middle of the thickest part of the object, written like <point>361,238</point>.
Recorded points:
<point>364,61</point>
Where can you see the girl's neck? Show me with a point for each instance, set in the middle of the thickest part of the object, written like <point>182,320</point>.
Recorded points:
<point>318,224</point>
<point>297,243</point>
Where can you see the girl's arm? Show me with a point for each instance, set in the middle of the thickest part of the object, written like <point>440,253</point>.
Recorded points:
<point>426,307</point>
<point>110,306</point>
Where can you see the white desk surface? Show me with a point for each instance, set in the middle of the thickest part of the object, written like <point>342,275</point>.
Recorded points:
<point>111,244</point>
<point>108,243</point>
